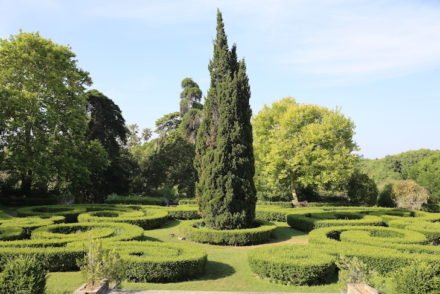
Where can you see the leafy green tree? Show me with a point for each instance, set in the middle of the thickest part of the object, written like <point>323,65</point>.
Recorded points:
<point>361,189</point>
<point>168,123</point>
<point>301,146</point>
<point>427,173</point>
<point>43,111</point>
<point>224,152</point>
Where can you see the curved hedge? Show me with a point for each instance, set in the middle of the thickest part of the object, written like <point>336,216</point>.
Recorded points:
<point>383,257</point>
<point>160,262</point>
<point>86,231</point>
<point>378,236</point>
<point>145,218</point>
<point>260,234</point>
<point>142,200</point>
<point>30,223</point>
<point>11,233</point>
<point>271,213</point>
<point>293,264</point>
<point>430,229</point>
<point>307,222</point>
<point>184,212</point>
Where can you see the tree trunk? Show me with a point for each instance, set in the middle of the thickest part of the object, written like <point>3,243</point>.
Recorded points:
<point>26,183</point>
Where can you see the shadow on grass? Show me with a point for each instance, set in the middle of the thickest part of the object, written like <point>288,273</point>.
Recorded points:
<point>285,233</point>
<point>170,224</point>
<point>217,270</point>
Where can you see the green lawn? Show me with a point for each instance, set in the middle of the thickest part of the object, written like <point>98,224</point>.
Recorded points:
<point>227,269</point>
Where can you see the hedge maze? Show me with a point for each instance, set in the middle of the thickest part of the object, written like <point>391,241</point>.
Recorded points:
<point>384,239</point>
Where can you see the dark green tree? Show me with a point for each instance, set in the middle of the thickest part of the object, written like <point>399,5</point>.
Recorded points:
<point>190,109</point>
<point>190,96</point>
<point>224,154</point>
<point>361,189</point>
<point>107,125</point>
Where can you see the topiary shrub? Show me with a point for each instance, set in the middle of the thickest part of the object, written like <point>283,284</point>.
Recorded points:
<point>418,278</point>
<point>293,264</point>
<point>23,274</point>
<point>196,231</point>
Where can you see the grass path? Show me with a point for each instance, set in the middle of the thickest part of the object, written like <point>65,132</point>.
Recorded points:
<point>227,269</point>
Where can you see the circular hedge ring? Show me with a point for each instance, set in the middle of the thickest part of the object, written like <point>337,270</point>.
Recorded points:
<point>30,223</point>
<point>11,233</point>
<point>293,264</point>
<point>86,231</point>
<point>145,218</point>
<point>160,262</point>
<point>384,257</point>
<point>195,231</point>
<point>307,222</point>
<point>70,212</point>
<point>379,236</point>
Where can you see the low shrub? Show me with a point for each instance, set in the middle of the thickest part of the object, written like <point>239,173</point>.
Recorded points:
<point>70,212</point>
<point>292,264</point>
<point>23,274</point>
<point>99,263</point>
<point>196,231</point>
<point>352,270</point>
<point>145,218</point>
<point>379,236</point>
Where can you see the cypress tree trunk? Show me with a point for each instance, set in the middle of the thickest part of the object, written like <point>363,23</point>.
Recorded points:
<point>224,153</point>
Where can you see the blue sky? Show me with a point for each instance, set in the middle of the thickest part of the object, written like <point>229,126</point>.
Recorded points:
<point>378,61</point>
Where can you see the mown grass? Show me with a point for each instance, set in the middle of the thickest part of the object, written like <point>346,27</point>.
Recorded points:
<point>227,269</point>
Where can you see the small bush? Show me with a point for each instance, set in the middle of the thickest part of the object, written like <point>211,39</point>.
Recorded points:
<point>352,270</point>
<point>418,278</point>
<point>100,263</point>
<point>23,274</point>
<point>184,212</point>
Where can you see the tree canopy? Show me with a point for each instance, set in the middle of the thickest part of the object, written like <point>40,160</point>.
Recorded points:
<point>301,146</point>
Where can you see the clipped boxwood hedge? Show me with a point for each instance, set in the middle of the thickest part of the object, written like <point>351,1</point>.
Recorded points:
<point>293,264</point>
<point>70,212</point>
<point>142,200</point>
<point>184,212</point>
<point>271,213</point>
<point>86,231</point>
<point>30,223</point>
<point>58,259</point>
<point>188,202</point>
<point>160,261</point>
<point>145,218</point>
<point>283,204</point>
<point>384,257</point>
<point>195,231</point>
<point>11,233</point>
<point>309,221</point>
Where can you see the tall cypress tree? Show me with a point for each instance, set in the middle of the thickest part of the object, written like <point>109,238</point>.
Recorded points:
<point>224,154</point>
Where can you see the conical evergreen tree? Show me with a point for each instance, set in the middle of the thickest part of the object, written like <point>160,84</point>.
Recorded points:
<point>224,153</point>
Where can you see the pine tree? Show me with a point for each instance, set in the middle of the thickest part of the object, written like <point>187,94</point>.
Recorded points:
<point>224,153</point>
